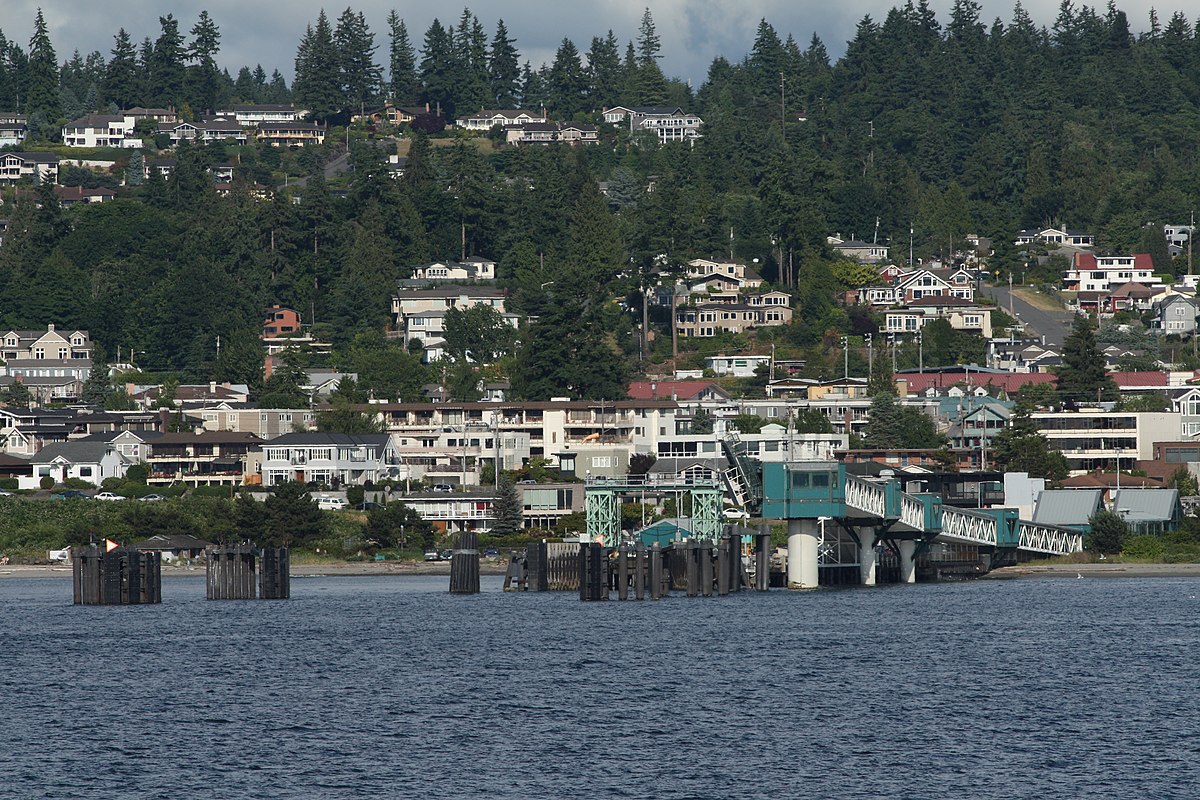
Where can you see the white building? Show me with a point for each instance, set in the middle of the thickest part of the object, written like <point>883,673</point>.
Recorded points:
<point>13,129</point>
<point>101,130</point>
<point>737,366</point>
<point>34,167</point>
<point>250,116</point>
<point>1097,439</point>
<point>487,119</point>
<point>330,458</point>
<point>1094,273</point>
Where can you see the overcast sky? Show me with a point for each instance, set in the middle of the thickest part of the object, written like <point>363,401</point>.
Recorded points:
<point>693,32</point>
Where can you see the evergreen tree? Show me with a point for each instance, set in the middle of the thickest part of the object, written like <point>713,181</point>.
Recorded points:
<point>166,68</point>
<point>504,70</point>
<point>567,84</point>
<point>121,82</point>
<point>604,72</point>
<point>41,79</point>
<point>507,508</point>
<point>292,518</point>
<point>317,83</point>
<point>204,76</point>
<point>435,71</point>
<point>1082,377</point>
<point>404,87</point>
<point>1107,533</point>
<point>360,77</point>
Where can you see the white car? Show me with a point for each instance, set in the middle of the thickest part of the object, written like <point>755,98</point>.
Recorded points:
<point>736,513</point>
<point>332,503</point>
<point>109,496</point>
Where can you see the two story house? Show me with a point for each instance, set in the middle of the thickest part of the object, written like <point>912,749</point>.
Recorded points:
<point>329,458</point>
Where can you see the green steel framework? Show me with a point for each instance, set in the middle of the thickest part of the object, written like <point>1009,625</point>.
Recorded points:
<point>602,506</point>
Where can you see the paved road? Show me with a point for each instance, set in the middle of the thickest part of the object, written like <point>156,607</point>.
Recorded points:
<point>1054,325</point>
<point>334,168</point>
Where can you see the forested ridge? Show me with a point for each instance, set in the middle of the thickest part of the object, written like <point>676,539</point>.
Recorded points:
<point>943,128</point>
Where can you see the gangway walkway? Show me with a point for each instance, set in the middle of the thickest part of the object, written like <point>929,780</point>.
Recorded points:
<point>810,494</point>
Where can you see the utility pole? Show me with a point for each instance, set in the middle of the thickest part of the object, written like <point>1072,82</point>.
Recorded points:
<point>1011,313</point>
<point>870,340</point>
<point>1191,231</point>
<point>782,110</point>
<point>921,352</point>
<point>846,357</point>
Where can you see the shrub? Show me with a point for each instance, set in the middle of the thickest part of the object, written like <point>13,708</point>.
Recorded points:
<point>46,482</point>
<point>1144,547</point>
<point>9,484</point>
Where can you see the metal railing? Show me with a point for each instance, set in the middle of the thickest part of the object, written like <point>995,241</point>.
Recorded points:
<point>960,525</point>
<point>866,496</point>
<point>1048,539</point>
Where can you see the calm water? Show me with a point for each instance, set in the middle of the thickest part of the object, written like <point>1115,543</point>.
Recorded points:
<point>389,687</point>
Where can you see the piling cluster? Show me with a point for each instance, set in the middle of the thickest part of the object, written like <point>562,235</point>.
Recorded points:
<point>118,577</point>
<point>246,572</point>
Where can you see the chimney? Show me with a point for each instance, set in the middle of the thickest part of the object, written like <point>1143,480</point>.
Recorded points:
<point>212,387</point>
<point>50,327</point>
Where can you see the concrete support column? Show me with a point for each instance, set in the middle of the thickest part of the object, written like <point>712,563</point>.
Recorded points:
<point>908,561</point>
<point>866,555</point>
<point>802,554</point>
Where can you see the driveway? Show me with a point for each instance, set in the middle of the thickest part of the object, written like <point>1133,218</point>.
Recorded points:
<point>1054,325</point>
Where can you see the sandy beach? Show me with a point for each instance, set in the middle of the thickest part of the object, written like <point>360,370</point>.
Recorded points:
<point>1098,570</point>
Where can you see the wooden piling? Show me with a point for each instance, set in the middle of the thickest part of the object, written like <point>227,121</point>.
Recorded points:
<point>274,575</point>
<point>706,568</point>
<point>623,572</point>
<point>723,571</point>
<point>593,572</point>
<point>537,567</point>
<point>464,564</point>
<point>692,568</point>
<point>121,576</point>
<point>639,571</point>
<point>656,571</point>
<point>762,559</point>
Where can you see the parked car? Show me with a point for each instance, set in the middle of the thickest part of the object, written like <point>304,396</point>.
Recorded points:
<point>491,552</point>
<point>332,503</point>
<point>152,498</point>
<point>442,487</point>
<point>447,554</point>
<point>432,555</point>
<point>110,496</point>
<point>69,494</point>
<point>527,482</point>
<point>5,493</point>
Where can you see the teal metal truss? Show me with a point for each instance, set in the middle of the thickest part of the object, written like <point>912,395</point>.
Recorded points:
<point>602,506</point>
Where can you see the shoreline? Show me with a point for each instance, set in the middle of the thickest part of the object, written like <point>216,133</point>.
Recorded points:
<point>1095,570</point>
<point>365,569</point>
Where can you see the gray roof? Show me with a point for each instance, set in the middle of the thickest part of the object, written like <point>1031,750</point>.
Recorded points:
<point>77,452</point>
<point>1067,506</point>
<point>1146,505</point>
<point>672,466</point>
<point>332,439</point>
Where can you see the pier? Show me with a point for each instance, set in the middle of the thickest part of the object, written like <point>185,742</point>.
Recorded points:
<point>121,576</point>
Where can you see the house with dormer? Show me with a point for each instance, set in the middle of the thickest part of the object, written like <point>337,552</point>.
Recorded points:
<point>470,270</point>
<point>1055,236</point>
<point>90,461</point>
<point>486,119</point>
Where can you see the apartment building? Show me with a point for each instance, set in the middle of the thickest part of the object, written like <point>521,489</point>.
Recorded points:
<point>1093,439</point>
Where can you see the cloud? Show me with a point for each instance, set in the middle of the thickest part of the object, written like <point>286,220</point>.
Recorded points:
<point>693,32</point>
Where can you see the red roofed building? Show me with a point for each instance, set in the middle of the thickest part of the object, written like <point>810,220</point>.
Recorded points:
<point>682,391</point>
<point>1008,382</point>
<point>1137,380</point>
<point>1093,273</point>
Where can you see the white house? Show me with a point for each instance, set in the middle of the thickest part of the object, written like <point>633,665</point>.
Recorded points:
<point>251,115</point>
<point>35,167</point>
<point>963,315</point>
<point>330,458</point>
<point>1060,236</point>
<point>1096,273</point>
<point>487,119</point>
<point>93,462</point>
<point>13,129</point>
<point>470,269</point>
<point>101,130</point>
<point>866,252</point>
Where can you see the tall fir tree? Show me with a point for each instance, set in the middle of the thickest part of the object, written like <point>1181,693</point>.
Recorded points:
<point>317,83</point>
<point>42,84</point>
<point>403,86</point>
<point>204,77</point>
<point>504,70</point>
<point>121,82</point>
<point>361,77</point>
<point>166,65</point>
